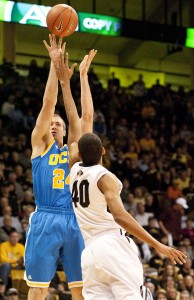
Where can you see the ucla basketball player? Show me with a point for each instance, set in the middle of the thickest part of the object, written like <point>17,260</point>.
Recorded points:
<point>53,231</point>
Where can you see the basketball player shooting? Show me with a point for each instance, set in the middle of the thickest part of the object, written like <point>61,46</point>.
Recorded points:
<point>53,231</point>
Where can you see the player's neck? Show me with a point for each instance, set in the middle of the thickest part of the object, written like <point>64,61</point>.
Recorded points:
<point>60,144</point>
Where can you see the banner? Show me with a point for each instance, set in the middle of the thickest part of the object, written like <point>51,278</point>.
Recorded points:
<point>33,14</point>
<point>100,24</point>
<point>23,13</point>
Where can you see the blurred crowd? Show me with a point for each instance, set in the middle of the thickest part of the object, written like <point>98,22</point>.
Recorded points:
<point>149,140</point>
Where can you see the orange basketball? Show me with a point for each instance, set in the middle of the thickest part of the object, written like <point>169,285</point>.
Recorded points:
<point>62,20</point>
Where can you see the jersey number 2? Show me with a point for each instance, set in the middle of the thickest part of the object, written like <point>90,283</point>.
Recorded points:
<point>81,194</point>
<point>59,179</point>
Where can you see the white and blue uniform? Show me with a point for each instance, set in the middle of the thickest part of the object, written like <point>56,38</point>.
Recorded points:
<point>53,230</point>
<point>111,266</point>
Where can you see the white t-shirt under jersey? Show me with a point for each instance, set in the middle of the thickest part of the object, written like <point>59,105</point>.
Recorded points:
<point>89,202</point>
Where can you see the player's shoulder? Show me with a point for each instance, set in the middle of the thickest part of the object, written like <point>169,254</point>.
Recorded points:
<point>75,166</point>
<point>114,178</point>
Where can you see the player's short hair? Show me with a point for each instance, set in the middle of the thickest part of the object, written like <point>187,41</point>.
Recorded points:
<point>64,125</point>
<point>90,149</point>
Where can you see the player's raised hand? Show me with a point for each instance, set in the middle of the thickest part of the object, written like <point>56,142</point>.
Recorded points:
<point>85,64</point>
<point>175,256</point>
<point>56,49</point>
<point>69,70</point>
<point>64,72</point>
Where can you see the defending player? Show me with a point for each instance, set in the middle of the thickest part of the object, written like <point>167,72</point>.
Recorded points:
<point>111,266</point>
<point>53,232</point>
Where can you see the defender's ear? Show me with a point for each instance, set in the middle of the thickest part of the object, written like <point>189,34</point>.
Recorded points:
<point>103,151</point>
<point>79,156</point>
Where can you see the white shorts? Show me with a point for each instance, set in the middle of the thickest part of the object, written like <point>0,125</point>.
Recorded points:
<point>112,269</point>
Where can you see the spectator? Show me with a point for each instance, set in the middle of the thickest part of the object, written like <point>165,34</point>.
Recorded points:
<point>34,70</point>
<point>11,255</point>
<point>148,111</point>
<point>170,219</point>
<point>7,107</point>
<point>150,177</point>
<point>187,268</point>
<point>16,118</point>
<point>183,179</point>
<point>29,121</point>
<point>152,287</point>
<point>157,261</point>
<point>7,225</point>
<point>122,127</point>
<point>28,200</point>
<point>144,250</point>
<point>19,171</point>
<point>7,210</point>
<point>28,210</point>
<point>141,216</point>
<point>12,294</point>
<point>130,203</point>
<point>125,190</point>
<point>151,204</point>
<point>4,201</point>
<point>63,291</point>
<point>12,178</point>
<point>24,225</point>
<point>2,290</point>
<point>114,82</point>
<point>186,244</point>
<point>144,162</point>
<point>3,236</point>
<point>161,294</point>
<point>100,126</point>
<point>27,183</point>
<point>170,276</point>
<point>153,228</point>
<point>179,158</point>
<point>25,158</point>
<point>139,195</point>
<point>139,87</point>
<point>134,174</point>
<point>189,284</point>
<point>147,143</point>
<point>189,195</point>
<point>173,294</point>
<point>166,181</point>
<point>185,295</point>
<point>173,192</point>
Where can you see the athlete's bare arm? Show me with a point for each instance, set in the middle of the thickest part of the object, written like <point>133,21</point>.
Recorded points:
<point>76,126</point>
<point>86,97</point>
<point>40,135</point>
<point>64,73</point>
<point>73,154</point>
<point>109,187</point>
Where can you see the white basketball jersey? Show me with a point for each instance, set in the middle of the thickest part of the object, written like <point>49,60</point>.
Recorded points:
<point>89,202</point>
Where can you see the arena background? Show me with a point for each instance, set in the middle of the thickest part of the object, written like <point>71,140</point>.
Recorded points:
<point>19,43</point>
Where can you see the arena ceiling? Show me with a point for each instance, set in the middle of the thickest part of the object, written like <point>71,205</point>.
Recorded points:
<point>129,51</point>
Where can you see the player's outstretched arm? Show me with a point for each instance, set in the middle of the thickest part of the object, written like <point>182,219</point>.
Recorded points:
<point>43,121</point>
<point>110,188</point>
<point>73,154</point>
<point>64,73</point>
<point>86,97</point>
